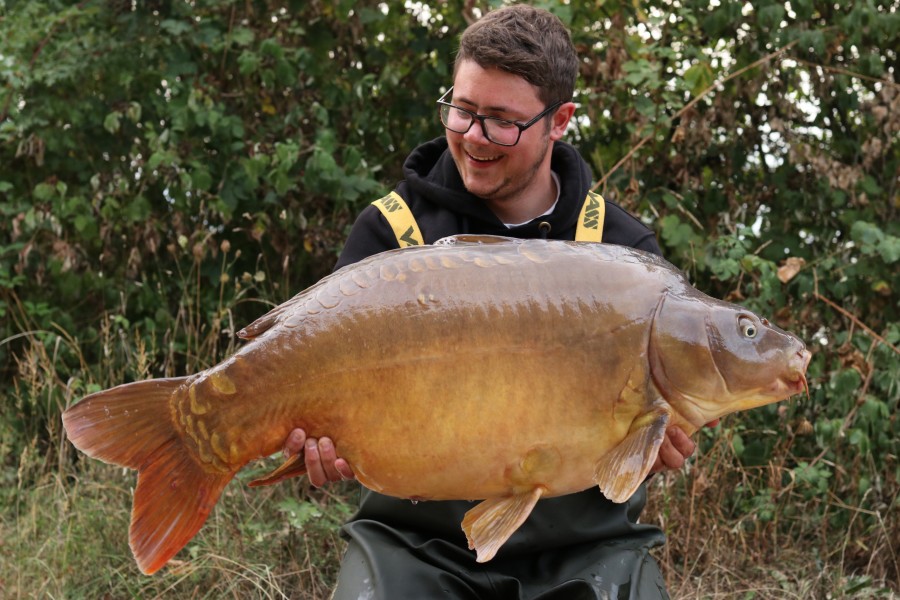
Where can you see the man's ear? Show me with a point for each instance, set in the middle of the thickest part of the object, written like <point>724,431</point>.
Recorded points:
<point>560,120</point>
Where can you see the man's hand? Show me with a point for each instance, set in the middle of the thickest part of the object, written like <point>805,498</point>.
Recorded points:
<point>322,463</point>
<point>676,449</point>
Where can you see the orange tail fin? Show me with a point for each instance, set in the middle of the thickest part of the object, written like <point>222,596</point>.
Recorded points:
<point>131,425</point>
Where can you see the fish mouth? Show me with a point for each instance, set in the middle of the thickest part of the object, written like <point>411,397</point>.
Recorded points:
<point>795,381</point>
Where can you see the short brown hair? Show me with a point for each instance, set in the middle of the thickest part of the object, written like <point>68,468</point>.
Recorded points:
<point>525,41</point>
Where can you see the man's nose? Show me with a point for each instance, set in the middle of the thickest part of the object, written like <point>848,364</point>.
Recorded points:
<point>475,134</point>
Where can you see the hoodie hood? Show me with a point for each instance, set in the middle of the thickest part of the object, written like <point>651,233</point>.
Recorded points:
<point>431,173</point>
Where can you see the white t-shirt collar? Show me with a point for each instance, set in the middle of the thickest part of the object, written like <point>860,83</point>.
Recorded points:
<point>549,210</point>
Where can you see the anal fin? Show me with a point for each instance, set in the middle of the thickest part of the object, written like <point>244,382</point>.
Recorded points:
<point>621,471</point>
<point>292,467</point>
<point>494,520</point>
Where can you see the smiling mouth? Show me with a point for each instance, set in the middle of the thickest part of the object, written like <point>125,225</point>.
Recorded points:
<point>484,159</point>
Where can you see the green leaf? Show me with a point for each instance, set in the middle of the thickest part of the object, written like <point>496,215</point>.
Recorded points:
<point>323,165</point>
<point>248,62</point>
<point>243,36</point>
<point>255,166</point>
<point>677,233</point>
<point>846,382</point>
<point>286,154</point>
<point>175,28</point>
<point>44,191</point>
<point>699,77</point>
<point>201,179</point>
<point>873,240</point>
<point>860,439</point>
<point>889,249</point>
<point>770,17</point>
<point>155,160</point>
<point>134,112</point>
<point>298,513</point>
<point>112,122</point>
<point>271,48</point>
<point>813,40</point>
<point>870,186</point>
<point>368,16</point>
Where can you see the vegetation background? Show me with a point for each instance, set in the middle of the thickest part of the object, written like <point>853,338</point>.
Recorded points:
<point>170,169</point>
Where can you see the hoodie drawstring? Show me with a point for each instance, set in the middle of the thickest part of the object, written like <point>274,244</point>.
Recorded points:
<point>544,229</point>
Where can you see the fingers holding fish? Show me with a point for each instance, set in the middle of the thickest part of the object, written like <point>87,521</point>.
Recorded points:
<point>336,469</point>
<point>294,443</point>
<point>344,468</point>
<point>323,464</point>
<point>320,458</point>
<point>676,448</point>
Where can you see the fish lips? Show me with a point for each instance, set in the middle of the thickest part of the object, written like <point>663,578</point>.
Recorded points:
<point>794,380</point>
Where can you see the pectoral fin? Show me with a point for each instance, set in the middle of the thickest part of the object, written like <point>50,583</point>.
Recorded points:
<point>490,524</point>
<point>292,467</point>
<point>622,470</point>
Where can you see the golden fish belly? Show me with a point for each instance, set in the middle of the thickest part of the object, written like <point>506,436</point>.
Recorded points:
<point>465,428</point>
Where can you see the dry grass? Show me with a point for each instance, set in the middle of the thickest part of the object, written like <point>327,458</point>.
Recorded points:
<point>64,535</point>
<point>735,532</point>
<point>67,537</point>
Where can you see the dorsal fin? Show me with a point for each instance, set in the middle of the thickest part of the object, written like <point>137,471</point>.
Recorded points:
<point>264,323</point>
<point>474,239</point>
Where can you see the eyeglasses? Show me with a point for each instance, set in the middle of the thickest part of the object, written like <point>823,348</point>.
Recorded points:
<point>499,131</point>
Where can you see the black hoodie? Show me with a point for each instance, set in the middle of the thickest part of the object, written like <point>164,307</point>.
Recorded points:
<point>435,194</point>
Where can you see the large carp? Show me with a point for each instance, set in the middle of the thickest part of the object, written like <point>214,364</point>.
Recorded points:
<point>558,364</point>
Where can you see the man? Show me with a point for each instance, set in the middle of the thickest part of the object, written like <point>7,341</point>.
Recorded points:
<point>501,170</point>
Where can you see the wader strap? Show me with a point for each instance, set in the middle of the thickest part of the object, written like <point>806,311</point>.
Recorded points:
<point>590,221</point>
<point>401,219</point>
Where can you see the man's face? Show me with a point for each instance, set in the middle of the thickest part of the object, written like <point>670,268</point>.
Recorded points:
<point>501,174</point>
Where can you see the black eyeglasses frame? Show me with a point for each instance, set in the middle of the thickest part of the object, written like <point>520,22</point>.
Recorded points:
<point>482,118</point>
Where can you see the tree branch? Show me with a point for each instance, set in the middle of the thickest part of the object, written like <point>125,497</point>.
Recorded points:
<point>855,320</point>
<point>694,101</point>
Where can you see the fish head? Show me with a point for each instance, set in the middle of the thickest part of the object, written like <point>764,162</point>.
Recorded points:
<point>710,358</point>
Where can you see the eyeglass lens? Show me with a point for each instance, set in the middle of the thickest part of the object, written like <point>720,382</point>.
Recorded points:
<point>498,130</point>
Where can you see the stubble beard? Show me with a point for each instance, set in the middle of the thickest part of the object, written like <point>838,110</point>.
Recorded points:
<point>511,187</point>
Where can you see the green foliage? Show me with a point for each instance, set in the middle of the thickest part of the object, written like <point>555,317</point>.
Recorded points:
<point>777,189</point>
<point>169,170</point>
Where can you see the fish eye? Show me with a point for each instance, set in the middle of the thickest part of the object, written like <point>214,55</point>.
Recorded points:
<point>748,328</point>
